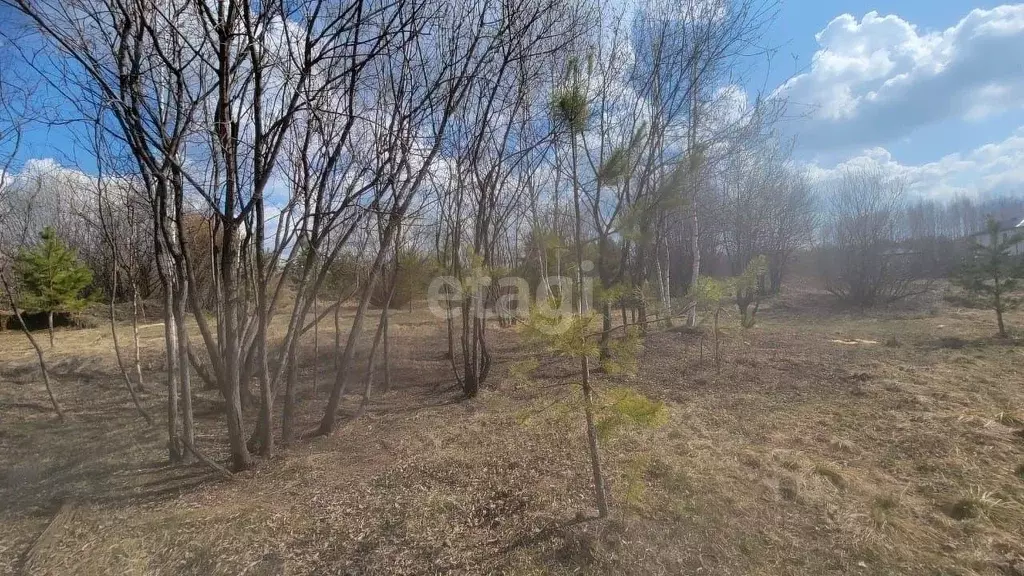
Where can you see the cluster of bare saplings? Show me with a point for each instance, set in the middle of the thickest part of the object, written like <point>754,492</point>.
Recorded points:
<point>259,164</point>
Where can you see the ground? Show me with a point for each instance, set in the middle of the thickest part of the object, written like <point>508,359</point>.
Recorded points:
<point>824,442</point>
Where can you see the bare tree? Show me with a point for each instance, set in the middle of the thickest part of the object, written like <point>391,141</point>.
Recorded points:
<point>861,262</point>
<point>766,208</point>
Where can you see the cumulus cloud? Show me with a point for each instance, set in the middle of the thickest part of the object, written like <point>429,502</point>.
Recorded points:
<point>992,169</point>
<point>875,80</point>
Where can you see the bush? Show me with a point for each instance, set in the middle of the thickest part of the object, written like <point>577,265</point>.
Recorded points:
<point>862,264</point>
<point>38,321</point>
<point>414,275</point>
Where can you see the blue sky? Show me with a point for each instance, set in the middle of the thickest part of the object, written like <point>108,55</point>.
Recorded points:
<point>932,90</point>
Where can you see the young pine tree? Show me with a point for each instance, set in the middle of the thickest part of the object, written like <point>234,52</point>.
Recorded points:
<point>570,112</point>
<point>748,288</point>
<point>991,272</point>
<point>52,279</point>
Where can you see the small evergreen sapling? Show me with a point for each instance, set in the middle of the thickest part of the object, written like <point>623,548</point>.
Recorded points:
<point>52,278</point>
<point>990,274</point>
<point>570,113</point>
<point>710,293</point>
<point>749,289</point>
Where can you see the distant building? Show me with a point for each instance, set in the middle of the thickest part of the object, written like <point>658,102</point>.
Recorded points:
<point>1007,228</point>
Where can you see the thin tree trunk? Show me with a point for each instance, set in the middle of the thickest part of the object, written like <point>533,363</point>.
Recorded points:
<point>263,316</point>
<point>291,382</point>
<point>606,328</point>
<point>692,152</point>
<point>387,353</point>
<point>175,452</point>
<point>659,271</point>
<point>666,288</point>
<point>39,351</point>
<point>184,368</point>
<point>337,338</point>
<point>117,352</point>
<point>49,325</point>
<point>266,394</point>
<point>695,247</point>
<point>316,347</point>
<point>451,327</point>
<point>470,382</point>
<point>385,314</point>
<point>372,362</point>
<point>135,337</point>
<point>718,357</point>
<point>341,378</point>
<point>588,401</point>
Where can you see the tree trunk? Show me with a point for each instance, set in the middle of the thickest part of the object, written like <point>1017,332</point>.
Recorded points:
<point>588,401</point>
<point>470,358</point>
<point>266,395</point>
<point>666,285</point>
<point>606,327</point>
<point>371,363</point>
<point>136,355</point>
<point>49,325</point>
<point>35,346</point>
<point>316,346</point>
<point>263,316</point>
<point>184,371</point>
<point>341,379</point>
<point>337,337</point>
<point>175,453</point>
<point>692,152</point>
<point>288,413</point>
<point>662,282</point>
<point>117,353</point>
<point>718,357</point>
<point>385,314</point>
<point>231,349</point>
<point>695,247</point>
<point>387,353</point>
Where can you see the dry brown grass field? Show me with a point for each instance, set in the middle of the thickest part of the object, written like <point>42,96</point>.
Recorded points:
<point>818,446</point>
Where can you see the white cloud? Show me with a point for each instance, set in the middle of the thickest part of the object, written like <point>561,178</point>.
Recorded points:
<point>878,79</point>
<point>996,168</point>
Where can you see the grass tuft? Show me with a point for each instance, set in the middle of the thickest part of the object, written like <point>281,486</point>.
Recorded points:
<point>831,474</point>
<point>788,488</point>
<point>1008,419</point>
<point>952,343</point>
<point>974,504</point>
<point>842,445</point>
<point>883,510</point>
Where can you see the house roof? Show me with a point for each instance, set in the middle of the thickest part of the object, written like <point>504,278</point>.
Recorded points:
<point>1004,225</point>
<point>1011,223</point>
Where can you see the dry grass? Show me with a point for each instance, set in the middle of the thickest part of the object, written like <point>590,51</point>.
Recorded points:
<point>812,451</point>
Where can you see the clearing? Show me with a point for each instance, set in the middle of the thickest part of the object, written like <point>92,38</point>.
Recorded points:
<point>826,442</point>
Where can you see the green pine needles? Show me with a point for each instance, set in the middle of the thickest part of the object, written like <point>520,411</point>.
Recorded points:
<point>991,272</point>
<point>52,278</point>
<point>569,106</point>
<point>624,408</point>
<point>748,290</point>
